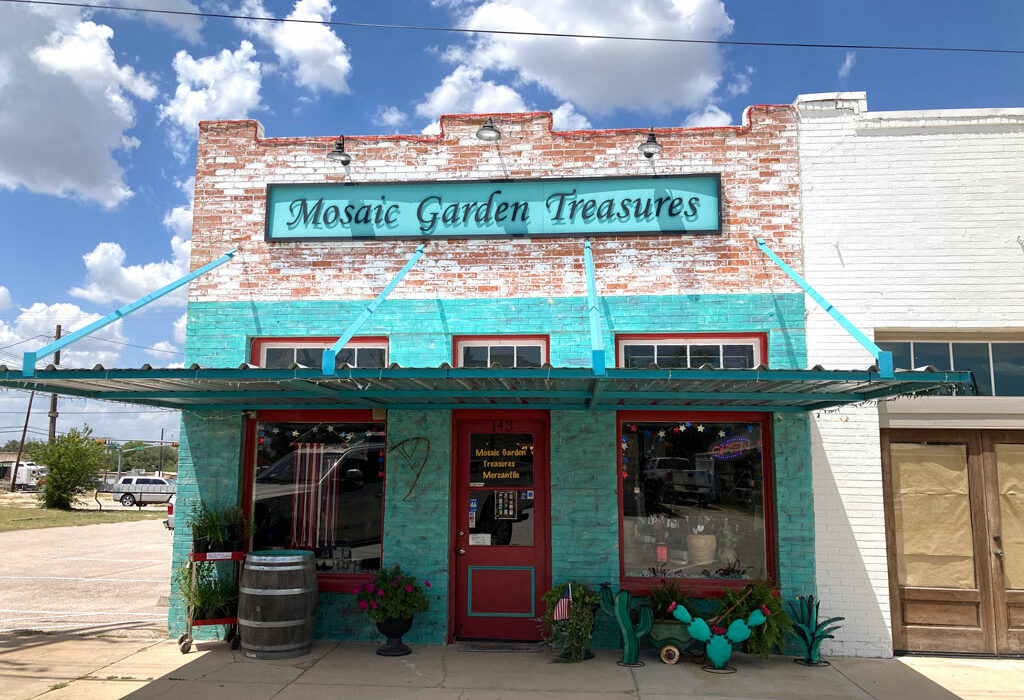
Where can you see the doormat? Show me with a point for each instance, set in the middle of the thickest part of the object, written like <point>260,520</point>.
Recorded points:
<point>514,647</point>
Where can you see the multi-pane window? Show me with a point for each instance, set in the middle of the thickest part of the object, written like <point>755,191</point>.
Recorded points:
<point>320,487</point>
<point>510,352</point>
<point>282,355</point>
<point>693,499</point>
<point>690,352</point>
<point>998,367</point>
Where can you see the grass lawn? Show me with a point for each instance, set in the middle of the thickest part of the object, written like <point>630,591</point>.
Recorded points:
<point>18,518</point>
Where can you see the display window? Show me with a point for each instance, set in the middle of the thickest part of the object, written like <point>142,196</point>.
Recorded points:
<point>696,499</point>
<point>735,351</point>
<point>316,482</point>
<point>998,367</point>
<point>506,351</point>
<point>282,353</point>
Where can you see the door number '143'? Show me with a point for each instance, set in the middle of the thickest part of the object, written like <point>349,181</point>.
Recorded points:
<point>501,426</point>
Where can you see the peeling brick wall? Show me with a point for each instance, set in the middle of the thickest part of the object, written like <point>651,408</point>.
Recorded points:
<point>758,164</point>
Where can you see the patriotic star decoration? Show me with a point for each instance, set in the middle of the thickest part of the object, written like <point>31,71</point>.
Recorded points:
<point>330,428</point>
<point>295,433</point>
<point>721,433</point>
<point>661,433</point>
<point>276,431</point>
<point>700,428</point>
<point>750,428</point>
<point>625,475</point>
<point>677,429</point>
<point>632,428</point>
<point>380,475</point>
<point>687,424</point>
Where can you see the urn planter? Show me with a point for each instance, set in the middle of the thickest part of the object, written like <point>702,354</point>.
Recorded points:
<point>393,629</point>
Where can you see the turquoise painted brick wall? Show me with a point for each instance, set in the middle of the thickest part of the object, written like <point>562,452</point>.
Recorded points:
<point>209,469</point>
<point>583,471</point>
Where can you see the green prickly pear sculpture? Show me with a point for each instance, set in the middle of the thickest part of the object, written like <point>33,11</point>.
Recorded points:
<point>619,607</point>
<point>718,641</point>
<point>812,633</point>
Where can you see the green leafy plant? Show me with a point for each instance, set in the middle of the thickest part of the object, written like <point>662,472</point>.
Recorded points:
<point>211,596</point>
<point>208,531</point>
<point>236,527</point>
<point>391,595</point>
<point>73,462</point>
<point>812,633</point>
<point>739,604</point>
<point>573,633</point>
<point>663,595</point>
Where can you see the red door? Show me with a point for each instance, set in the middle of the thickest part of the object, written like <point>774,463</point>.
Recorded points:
<point>501,555</point>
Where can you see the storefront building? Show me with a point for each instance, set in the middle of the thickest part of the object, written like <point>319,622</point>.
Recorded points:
<point>912,223</point>
<point>508,363</point>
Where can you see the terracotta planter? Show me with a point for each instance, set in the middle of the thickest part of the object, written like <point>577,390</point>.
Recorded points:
<point>393,629</point>
<point>701,548</point>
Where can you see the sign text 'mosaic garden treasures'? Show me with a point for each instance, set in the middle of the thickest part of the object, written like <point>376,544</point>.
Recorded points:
<point>640,205</point>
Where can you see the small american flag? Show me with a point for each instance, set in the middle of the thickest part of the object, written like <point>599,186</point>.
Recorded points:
<point>562,606</point>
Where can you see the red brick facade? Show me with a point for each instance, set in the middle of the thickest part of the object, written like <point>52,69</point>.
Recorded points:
<point>758,163</point>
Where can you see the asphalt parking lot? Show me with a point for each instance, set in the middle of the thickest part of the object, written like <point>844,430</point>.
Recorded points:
<point>89,579</point>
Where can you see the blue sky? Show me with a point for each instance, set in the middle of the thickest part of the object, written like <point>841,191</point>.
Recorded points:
<point>98,113</point>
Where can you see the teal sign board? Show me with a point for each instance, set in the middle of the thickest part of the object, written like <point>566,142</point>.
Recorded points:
<point>480,209</point>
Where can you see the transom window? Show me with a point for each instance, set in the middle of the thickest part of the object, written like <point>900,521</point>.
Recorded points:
<point>998,367</point>
<point>507,351</point>
<point>282,353</point>
<point>691,352</point>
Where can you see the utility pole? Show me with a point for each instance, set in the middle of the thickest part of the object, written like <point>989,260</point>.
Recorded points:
<point>161,451</point>
<point>21,447</point>
<point>120,455</point>
<point>53,397</point>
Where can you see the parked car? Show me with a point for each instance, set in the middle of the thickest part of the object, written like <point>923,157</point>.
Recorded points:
<point>140,490</point>
<point>169,523</point>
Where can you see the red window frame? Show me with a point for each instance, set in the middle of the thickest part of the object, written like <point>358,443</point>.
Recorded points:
<point>326,583</point>
<point>257,344</point>
<point>761,341</point>
<point>703,587</point>
<point>543,339</point>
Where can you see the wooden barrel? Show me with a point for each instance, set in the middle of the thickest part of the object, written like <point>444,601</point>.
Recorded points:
<point>277,604</point>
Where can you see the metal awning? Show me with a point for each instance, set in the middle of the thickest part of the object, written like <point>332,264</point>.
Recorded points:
<point>252,388</point>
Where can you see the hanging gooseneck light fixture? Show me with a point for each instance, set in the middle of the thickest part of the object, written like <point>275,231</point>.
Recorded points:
<point>338,154</point>
<point>650,147</point>
<point>488,132</point>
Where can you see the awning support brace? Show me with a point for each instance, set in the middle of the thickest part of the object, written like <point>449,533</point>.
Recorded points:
<point>883,358</point>
<point>596,342</point>
<point>332,352</point>
<point>28,365</point>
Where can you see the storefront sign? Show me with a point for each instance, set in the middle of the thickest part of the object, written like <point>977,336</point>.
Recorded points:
<point>501,460</point>
<point>583,207</point>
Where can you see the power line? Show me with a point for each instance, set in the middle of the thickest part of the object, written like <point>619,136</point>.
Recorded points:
<point>509,32</point>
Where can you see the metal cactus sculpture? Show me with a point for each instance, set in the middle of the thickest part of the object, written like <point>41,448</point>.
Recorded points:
<point>619,608</point>
<point>718,640</point>
<point>812,633</point>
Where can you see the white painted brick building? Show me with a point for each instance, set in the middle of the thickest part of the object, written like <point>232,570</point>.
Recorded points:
<point>913,227</point>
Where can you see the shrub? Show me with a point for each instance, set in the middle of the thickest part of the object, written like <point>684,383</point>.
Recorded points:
<point>73,463</point>
<point>571,634</point>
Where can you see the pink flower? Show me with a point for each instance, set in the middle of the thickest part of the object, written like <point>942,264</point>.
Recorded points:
<point>764,609</point>
<point>672,606</point>
<point>394,583</point>
<point>427,584</point>
<point>718,630</point>
<point>380,592</point>
<point>373,604</point>
<point>363,605</point>
<point>408,588</point>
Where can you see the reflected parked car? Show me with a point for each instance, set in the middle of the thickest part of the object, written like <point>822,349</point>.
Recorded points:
<point>675,479</point>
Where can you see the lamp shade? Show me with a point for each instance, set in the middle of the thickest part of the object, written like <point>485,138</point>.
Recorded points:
<point>650,147</point>
<point>488,132</point>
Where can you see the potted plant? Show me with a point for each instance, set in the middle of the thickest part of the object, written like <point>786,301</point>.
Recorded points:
<point>701,542</point>
<point>236,529</point>
<point>390,599</point>
<point>570,626</point>
<point>758,595</point>
<point>207,529</point>
<point>208,597</point>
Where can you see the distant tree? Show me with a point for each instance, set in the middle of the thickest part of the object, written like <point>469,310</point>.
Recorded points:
<point>12,446</point>
<point>73,462</point>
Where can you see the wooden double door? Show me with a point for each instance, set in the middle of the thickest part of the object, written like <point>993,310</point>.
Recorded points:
<point>954,509</point>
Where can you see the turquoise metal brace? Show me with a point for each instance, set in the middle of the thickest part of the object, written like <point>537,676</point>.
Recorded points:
<point>29,359</point>
<point>332,352</point>
<point>883,358</point>
<point>596,342</point>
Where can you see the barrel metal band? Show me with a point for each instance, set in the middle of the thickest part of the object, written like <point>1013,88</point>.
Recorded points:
<point>283,559</point>
<point>275,623</point>
<point>276,647</point>
<point>278,591</point>
<point>277,568</point>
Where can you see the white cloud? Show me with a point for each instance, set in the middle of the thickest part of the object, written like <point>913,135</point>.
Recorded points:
<point>848,63</point>
<point>740,83</point>
<point>389,116</point>
<point>165,354</point>
<point>223,86</point>
<point>465,90</point>
<point>652,76</point>
<point>5,298</point>
<point>110,280</point>
<point>314,54</point>
<point>66,106</point>
<point>711,115</point>
<point>179,328</point>
<point>37,323</point>
<point>179,219</point>
<point>187,27</point>
<point>566,118</point>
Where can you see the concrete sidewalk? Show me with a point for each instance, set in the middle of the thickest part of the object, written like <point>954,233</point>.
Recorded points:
<point>105,668</point>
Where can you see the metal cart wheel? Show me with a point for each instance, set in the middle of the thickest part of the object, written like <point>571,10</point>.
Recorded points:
<point>185,646</point>
<point>182,638</point>
<point>235,643</point>
<point>670,654</point>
